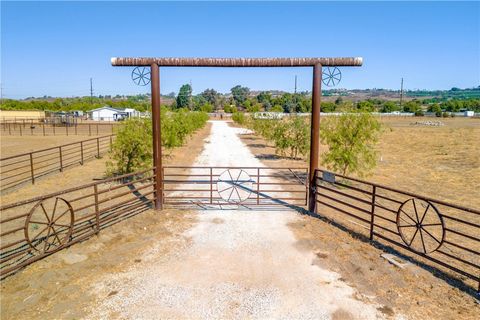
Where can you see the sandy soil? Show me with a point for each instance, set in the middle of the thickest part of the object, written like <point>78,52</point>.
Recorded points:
<point>13,145</point>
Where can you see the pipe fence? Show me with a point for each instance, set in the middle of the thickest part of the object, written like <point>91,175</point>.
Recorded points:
<point>35,228</point>
<point>32,128</point>
<point>439,232</point>
<point>27,167</point>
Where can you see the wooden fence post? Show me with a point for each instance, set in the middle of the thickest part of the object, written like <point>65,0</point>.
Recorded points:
<point>20,127</point>
<point>31,168</point>
<point>372,212</point>
<point>43,128</point>
<point>89,130</point>
<point>53,125</point>
<point>97,129</point>
<point>66,129</point>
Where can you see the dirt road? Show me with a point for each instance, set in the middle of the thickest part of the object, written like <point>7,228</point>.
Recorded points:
<point>241,264</point>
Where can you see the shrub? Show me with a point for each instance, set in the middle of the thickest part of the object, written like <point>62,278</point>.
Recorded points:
<point>351,140</point>
<point>239,118</point>
<point>132,148</point>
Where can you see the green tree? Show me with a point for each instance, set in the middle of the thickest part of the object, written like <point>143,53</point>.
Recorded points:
<point>389,106</point>
<point>184,96</point>
<point>411,106</point>
<point>351,140</point>
<point>240,94</point>
<point>211,96</point>
<point>265,99</point>
<point>132,149</point>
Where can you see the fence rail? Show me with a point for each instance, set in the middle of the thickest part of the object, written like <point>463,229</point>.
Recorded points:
<point>27,167</point>
<point>35,228</point>
<point>39,128</point>
<point>445,234</point>
<point>244,186</point>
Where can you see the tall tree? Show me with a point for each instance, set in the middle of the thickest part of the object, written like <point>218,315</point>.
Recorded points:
<point>240,94</point>
<point>184,96</point>
<point>210,95</point>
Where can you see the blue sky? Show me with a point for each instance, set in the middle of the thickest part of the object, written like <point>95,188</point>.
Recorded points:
<point>53,48</point>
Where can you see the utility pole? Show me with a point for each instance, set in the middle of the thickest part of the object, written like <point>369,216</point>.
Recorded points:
<point>401,94</point>
<point>91,91</point>
<point>295,83</point>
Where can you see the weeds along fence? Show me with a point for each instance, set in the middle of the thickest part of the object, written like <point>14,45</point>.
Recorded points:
<point>35,228</point>
<point>31,128</point>
<point>438,232</point>
<point>27,167</point>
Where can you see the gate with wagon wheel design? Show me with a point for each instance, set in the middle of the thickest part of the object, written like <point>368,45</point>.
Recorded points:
<point>235,186</point>
<point>147,70</point>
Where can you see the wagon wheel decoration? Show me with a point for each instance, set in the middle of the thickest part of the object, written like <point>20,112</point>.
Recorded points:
<point>331,76</point>
<point>420,225</point>
<point>141,76</point>
<point>49,225</point>
<point>234,185</point>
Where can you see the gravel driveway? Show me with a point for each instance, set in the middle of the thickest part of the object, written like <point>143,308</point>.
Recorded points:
<point>240,264</point>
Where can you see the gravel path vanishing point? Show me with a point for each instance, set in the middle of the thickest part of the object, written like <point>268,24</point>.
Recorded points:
<point>241,264</point>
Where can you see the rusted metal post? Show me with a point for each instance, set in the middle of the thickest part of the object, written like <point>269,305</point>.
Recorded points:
<point>314,135</point>
<point>20,127</point>
<point>98,148</point>
<point>258,185</point>
<point>97,216</point>
<point>372,211</point>
<point>61,158</point>
<point>211,185</point>
<point>157,134</point>
<point>89,130</point>
<point>31,168</point>
<point>81,153</point>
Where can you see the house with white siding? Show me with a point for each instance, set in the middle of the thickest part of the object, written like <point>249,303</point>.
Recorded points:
<point>107,113</point>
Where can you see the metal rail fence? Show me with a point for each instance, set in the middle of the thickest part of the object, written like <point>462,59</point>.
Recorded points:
<point>31,128</point>
<point>27,167</point>
<point>35,228</point>
<point>245,186</point>
<point>443,233</point>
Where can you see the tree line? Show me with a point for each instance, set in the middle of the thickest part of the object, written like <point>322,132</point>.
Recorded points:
<point>243,99</point>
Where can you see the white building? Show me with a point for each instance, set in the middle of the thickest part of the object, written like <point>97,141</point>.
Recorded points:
<point>107,113</point>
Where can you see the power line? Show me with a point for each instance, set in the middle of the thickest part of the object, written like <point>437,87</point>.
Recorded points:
<point>91,91</point>
<point>401,93</point>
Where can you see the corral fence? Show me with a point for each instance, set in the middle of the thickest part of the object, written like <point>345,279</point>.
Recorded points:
<point>32,128</point>
<point>35,228</point>
<point>27,167</point>
<point>445,234</point>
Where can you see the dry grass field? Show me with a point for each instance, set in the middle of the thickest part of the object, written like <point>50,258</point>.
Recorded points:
<point>442,162</point>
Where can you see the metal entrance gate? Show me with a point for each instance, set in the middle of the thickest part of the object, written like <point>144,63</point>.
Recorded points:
<point>245,186</point>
